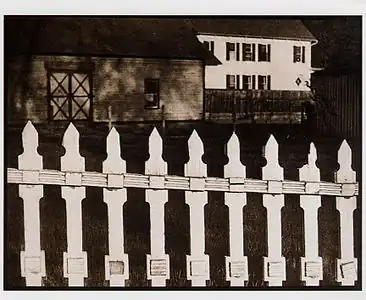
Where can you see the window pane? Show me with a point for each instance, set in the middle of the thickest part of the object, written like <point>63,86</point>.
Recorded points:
<point>59,84</point>
<point>80,84</point>
<point>151,86</point>
<point>59,108</point>
<point>80,108</point>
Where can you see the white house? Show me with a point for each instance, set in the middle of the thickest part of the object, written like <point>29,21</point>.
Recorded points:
<point>257,54</point>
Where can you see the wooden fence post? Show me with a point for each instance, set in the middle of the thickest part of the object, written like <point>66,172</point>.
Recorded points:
<point>347,264</point>
<point>158,262</point>
<point>75,259</point>
<point>236,263</point>
<point>116,263</point>
<point>198,268</point>
<point>274,264</point>
<point>32,260</point>
<point>311,264</point>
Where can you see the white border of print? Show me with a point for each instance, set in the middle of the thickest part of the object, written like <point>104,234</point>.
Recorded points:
<point>169,7</point>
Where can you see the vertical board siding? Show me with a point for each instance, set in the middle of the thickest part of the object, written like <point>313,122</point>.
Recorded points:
<point>343,93</point>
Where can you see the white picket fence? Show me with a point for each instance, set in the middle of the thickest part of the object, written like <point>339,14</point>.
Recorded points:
<point>114,180</point>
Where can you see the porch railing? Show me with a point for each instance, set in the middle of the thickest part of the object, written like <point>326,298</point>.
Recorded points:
<point>260,106</point>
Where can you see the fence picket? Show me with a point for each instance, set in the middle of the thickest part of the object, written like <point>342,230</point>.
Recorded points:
<point>32,259</point>
<point>236,263</point>
<point>158,261</point>
<point>274,264</point>
<point>198,268</point>
<point>30,176</point>
<point>347,264</point>
<point>116,263</point>
<point>75,259</point>
<point>311,264</point>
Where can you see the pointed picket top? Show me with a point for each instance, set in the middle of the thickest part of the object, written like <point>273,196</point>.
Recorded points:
<point>272,170</point>
<point>345,172</point>
<point>310,171</point>
<point>234,167</point>
<point>195,166</point>
<point>72,160</point>
<point>156,165</point>
<point>114,163</point>
<point>30,159</point>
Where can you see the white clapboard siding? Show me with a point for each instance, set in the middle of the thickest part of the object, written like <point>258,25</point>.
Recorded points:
<point>198,268</point>
<point>155,167</point>
<point>274,264</point>
<point>116,263</point>
<point>32,262</point>
<point>75,259</point>
<point>347,264</point>
<point>236,263</point>
<point>311,264</point>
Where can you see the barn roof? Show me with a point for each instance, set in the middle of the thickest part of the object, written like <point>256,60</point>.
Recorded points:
<point>104,36</point>
<point>283,28</point>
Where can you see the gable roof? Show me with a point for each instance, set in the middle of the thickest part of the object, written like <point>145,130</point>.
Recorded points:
<point>253,27</point>
<point>103,36</point>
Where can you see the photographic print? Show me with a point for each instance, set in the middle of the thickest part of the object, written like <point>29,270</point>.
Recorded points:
<point>182,152</point>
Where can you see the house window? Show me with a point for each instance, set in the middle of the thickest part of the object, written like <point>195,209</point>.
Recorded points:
<point>230,51</point>
<point>230,82</point>
<point>69,95</point>
<point>248,52</point>
<point>264,82</point>
<point>151,93</point>
<point>264,52</point>
<point>248,82</point>
<point>299,54</point>
<point>210,46</point>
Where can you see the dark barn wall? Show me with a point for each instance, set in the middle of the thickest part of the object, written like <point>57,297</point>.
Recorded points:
<point>343,95</point>
<point>118,82</point>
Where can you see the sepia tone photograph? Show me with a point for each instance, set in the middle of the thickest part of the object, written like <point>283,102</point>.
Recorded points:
<point>182,152</point>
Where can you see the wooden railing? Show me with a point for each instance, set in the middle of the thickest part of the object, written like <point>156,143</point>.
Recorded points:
<point>260,106</point>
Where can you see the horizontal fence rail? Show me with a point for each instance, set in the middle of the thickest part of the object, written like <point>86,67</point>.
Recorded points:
<point>169,182</point>
<point>73,179</point>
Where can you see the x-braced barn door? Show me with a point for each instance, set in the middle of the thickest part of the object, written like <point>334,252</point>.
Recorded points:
<point>69,96</point>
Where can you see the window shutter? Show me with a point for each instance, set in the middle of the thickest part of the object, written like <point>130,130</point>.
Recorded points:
<point>294,54</point>
<point>253,52</point>
<point>268,82</point>
<point>238,82</point>
<point>303,54</point>
<point>213,47</point>
<point>237,51</point>
<point>253,82</point>
<point>269,53</point>
<point>227,51</point>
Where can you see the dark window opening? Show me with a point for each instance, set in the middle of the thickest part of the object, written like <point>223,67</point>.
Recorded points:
<point>230,82</point>
<point>69,96</point>
<point>299,54</point>
<point>151,93</point>
<point>247,82</point>
<point>248,52</point>
<point>264,52</point>
<point>264,82</point>
<point>230,51</point>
